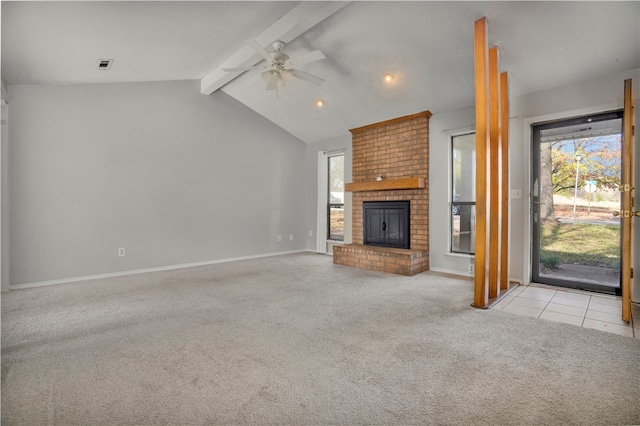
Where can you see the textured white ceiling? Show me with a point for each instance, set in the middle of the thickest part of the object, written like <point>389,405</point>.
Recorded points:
<point>428,46</point>
<point>61,42</point>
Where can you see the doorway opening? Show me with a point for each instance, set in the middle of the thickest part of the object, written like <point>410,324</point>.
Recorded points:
<point>575,190</point>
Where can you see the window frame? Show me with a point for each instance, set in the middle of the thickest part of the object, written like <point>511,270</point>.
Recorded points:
<point>453,203</point>
<point>331,205</point>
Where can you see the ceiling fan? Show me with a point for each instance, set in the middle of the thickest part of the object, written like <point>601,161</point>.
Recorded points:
<point>279,67</point>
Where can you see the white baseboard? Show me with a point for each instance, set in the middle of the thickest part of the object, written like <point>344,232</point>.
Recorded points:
<point>142,271</point>
<point>450,271</point>
<point>331,244</point>
<point>465,274</point>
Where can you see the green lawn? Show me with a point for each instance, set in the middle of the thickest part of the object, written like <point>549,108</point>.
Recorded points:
<point>578,243</point>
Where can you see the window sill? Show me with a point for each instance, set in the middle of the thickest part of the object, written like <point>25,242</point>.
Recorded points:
<point>460,255</point>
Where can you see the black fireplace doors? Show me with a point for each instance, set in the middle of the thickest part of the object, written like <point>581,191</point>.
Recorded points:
<point>386,223</point>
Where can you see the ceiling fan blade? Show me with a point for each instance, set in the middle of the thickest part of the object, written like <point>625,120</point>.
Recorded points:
<point>255,46</point>
<point>307,77</point>
<point>286,75</point>
<point>243,69</point>
<point>273,81</point>
<point>266,75</point>
<point>316,55</point>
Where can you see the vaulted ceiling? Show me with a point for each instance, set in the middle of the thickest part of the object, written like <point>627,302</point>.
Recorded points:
<point>426,45</point>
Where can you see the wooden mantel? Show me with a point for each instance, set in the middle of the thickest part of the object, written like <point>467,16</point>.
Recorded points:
<point>386,184</point>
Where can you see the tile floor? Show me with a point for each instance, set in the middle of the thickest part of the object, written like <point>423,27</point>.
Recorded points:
<point>584,309</point>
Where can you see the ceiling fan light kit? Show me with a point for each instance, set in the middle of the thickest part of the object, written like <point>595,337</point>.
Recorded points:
<point>279,68</point>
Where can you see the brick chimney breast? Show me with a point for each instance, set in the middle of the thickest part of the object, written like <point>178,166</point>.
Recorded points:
<point>393,149</point>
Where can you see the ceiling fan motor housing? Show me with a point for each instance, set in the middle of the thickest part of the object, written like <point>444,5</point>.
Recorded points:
<point>279,58</point>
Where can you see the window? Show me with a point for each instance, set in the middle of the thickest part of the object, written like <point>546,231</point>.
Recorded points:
<point>335,197</point>
<point>463,193</point>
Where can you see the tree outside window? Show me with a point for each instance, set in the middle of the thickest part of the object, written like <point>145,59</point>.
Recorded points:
<point>335,207</point>
<point>599,162</point>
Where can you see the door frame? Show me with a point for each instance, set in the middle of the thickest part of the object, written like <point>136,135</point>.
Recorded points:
<point>528,122</point>
<point>568,283</point>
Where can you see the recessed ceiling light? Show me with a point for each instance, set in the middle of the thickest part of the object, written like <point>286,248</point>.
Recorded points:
<point>388,77</point>
<point>320,103</point>
<point>105,64</point>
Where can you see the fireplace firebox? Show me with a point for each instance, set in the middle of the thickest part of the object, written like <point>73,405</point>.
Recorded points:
<point>386,223</point>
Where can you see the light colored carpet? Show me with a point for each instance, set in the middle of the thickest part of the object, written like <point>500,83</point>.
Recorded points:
<point>295,340</point>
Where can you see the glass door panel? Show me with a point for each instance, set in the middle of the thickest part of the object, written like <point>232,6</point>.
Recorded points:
<point>576,178</point>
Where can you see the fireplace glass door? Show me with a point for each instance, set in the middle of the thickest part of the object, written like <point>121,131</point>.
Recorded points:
<point>386,224</point>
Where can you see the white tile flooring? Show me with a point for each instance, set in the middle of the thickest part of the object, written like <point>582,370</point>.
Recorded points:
<point>584,309</point>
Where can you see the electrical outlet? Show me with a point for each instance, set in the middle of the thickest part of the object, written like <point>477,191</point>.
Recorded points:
<point>472,268</point>
<point>279,238</point>
<point>311,233</point>
<point>121,251</point>
<point>290,237</point>
<point>516,194</point>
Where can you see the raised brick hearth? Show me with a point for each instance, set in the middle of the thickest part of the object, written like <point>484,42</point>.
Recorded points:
<point>396,149</point>
<point>393,260</point>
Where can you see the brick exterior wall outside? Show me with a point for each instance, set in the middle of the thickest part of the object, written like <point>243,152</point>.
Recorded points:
<point>394,149</point>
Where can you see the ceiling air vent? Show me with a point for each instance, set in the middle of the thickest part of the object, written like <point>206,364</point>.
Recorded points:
<point>105,64</point>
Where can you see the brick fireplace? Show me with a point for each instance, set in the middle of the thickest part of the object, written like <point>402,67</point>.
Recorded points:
<point>390,162</point>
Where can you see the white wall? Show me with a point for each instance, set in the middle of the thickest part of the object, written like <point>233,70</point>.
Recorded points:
<point>441,128</point>
<point>601,94</point>
<point>598,95</point>
<point>342,142</point>
<point>4,197</point>
<point>171,175</point>
<point>177,177</point>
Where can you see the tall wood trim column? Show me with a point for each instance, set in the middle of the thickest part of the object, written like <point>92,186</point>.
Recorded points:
<point>494,169</point>
<point>480,66</point>
<point>626,208</point>
<point>504,172</point>
<point>492,172</point>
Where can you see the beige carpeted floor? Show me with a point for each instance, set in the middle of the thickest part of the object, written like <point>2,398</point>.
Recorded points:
<point>295,340</point>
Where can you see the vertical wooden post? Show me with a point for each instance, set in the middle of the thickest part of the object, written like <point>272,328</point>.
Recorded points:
<point>480,67</point>
<point>494,176</point>
<point>504,176</point>
<point>626,207</point>
<point>492,171</point>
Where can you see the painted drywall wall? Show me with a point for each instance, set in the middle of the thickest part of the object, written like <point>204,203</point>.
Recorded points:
<point>169,174</point>
<point>441,128</point>
<point>600,94</point>
<point>4,195</point>
<point>587,97</point>
<point>342,142</point>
